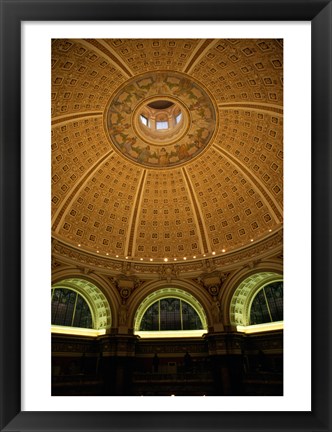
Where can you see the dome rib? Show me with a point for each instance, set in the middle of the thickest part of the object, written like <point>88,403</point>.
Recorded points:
<point>103,50</point>
<point>61,212</point>
<point>132,226</point>
<point>69,118</point>
<point>201,49</point>
<point>253,106</point>
<point>199,217</point>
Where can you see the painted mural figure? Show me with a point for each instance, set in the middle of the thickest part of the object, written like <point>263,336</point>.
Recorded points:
<point>127,146</point>
<point>120,120</point>
<point>163,157</point>
<point>182,151</point>
<point>144,155</point>
<point>120,128</point>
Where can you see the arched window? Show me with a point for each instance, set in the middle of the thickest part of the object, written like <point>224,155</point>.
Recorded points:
<point>267,305</point>
<point>170,314</point>
<point>79,307</point>
<point>257,303</point>
<point>144,120</point>
<point>70,309</point>
<point>178,118</point>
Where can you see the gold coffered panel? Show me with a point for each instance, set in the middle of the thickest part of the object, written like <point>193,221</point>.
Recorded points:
<point>243,70</point>
<point>143,55</point>
<point>215,201</point>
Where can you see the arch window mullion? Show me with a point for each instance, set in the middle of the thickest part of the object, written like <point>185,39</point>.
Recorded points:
<point>77,322</point>
<point>68,311</point>
<point>82,316</point>
<point>181,317</point>
<point>271,303</point>
<point>267,304</point>
<point>159,315</point>
<point>259,312</point>
<point>74,312</point>
<point>277,311</point>
<point>168,314</point>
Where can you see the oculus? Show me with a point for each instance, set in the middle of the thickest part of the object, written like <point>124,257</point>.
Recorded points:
<point>161,119</point>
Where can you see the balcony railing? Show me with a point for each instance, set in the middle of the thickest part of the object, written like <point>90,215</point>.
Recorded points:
<point>166,377</point>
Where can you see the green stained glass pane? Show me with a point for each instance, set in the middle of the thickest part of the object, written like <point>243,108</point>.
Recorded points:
<point>83,316</point>
<point>190,318</point>
<point>259,312</point>
<point>275,300</point>
<point>66,311</point>
<point>150,320</point>
<point>268,307</point>
<point>174,315</point>
<point>170,318</point>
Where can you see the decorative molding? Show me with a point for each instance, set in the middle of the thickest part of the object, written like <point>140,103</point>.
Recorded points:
<point>61,212</point>
<point>61,120</point>
<point>266,248</point>
<point>268,108</point>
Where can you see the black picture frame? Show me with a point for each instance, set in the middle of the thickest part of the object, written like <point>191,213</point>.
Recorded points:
<point>12,13</point>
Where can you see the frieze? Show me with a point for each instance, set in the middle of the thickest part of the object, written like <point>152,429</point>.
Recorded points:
<point>269,247</point>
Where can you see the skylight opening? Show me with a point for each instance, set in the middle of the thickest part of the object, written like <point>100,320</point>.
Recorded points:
<point>178,118</point>
<point>161,125</point>
<point>144,120</point>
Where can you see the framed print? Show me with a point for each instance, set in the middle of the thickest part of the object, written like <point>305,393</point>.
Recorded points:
<point>165,171</point>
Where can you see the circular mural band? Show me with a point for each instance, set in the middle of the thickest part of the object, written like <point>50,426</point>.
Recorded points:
<point>161,119</point>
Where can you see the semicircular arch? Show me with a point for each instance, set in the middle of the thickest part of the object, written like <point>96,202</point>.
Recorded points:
<point>100,308</point>
<point>191,289</point>
<point>237,277</point>
<point>169,292</point>
<point>103,284</point>
<point>239,310</point>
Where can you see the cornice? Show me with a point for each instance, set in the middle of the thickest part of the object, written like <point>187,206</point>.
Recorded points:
<point>248,256</point>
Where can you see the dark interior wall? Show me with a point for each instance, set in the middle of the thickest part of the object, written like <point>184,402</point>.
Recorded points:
<point>218,364</point>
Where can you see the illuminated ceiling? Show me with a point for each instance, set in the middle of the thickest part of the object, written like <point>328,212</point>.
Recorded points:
<point>206,183</point>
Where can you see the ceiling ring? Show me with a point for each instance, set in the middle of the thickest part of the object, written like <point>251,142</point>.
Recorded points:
<point>199,126</point>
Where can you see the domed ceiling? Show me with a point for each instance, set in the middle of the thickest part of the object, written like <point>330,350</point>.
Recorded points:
<point>166,149</point>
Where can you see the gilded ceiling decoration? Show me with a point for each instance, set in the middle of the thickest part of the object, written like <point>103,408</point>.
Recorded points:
<point>166,150</point>
<point>144,103</point>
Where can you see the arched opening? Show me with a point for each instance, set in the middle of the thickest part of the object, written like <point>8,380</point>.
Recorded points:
<point>161,115</point>
<point>70,309</point>
<point>267,305</point>
<point>170,312</point>
<point>257,303</point>
<point>79,307</point>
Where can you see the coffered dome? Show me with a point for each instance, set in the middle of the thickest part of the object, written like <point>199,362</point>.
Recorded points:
<point>166,149</point>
